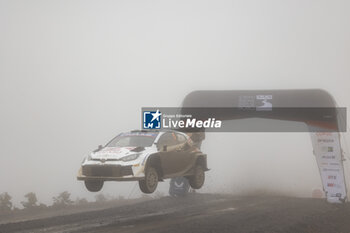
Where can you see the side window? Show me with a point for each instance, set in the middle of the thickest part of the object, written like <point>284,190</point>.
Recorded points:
<point>168,139</point>
<point>181,138</point>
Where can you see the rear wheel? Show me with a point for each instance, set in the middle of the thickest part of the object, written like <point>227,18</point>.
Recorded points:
<point>94,185</point>
<point>197,179</point>
<point>150,183</point>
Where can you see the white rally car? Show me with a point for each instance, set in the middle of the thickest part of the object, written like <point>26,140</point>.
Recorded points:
<point>146,157</point>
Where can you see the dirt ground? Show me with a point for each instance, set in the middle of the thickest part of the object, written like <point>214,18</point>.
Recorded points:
<point>200,213</point>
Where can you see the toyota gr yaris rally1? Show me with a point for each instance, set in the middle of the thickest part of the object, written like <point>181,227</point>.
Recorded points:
<point>146,157</point>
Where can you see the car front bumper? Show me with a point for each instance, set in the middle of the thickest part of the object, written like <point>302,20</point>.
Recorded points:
<point>111,172</point>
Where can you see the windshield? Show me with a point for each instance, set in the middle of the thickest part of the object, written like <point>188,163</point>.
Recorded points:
<point>133,140</point>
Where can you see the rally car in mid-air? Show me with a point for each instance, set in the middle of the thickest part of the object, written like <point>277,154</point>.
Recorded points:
<point>146,157</point>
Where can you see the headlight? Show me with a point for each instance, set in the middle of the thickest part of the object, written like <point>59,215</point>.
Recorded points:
<point>130,157</point>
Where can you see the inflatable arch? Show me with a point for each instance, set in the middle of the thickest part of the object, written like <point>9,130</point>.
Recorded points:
<point>324,133</point>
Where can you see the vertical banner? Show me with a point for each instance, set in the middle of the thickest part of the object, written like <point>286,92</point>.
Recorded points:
<point>330,163</point>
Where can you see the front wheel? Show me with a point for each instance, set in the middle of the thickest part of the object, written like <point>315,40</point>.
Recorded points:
<point>150,183</point>
<point>94,185</point>
<point>197,179</point>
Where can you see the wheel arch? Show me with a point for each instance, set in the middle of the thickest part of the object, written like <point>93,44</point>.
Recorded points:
<point>154,161</point>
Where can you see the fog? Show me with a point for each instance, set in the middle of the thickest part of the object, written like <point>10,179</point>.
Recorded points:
<point>76,73</point>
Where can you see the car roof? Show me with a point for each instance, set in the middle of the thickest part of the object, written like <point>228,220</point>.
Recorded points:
<point>156,131</point>
<point>153,130</point>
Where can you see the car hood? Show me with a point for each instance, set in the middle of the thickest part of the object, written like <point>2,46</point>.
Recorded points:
<point>114,152</point>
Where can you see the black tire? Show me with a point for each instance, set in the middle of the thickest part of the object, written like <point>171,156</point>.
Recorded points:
<point>197,179</point>
<point>94,185</point>
<point>150,183</point>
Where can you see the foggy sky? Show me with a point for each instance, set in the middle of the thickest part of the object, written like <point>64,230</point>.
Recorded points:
<point>76,73</point>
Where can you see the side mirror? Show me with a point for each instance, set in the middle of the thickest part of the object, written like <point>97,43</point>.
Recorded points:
<point>99,148</point>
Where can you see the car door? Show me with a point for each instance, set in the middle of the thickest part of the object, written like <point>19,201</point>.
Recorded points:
<point>183,155</point>
<point>167,148</point>
<point>177,158</point>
